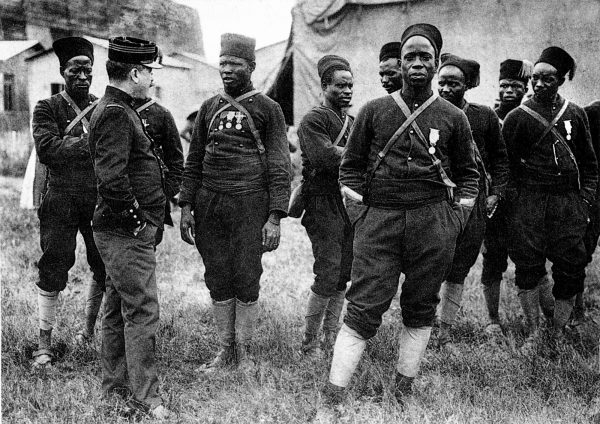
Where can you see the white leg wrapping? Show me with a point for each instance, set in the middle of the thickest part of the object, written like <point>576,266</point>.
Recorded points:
<point>451,297</point>
<point>413,342</point>
<point>348,349</point>
<point>47,302</point>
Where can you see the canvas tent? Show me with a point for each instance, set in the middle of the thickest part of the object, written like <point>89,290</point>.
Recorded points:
<point>488,31</point>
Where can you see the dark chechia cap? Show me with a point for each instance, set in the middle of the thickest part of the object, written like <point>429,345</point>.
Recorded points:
<point>70,47</point>
<point>238,45</point>
<point>560,59</point>
<point>424,30</point>
<point>390,50</point>
<point>469,68</point>
<point>520,70</point>
<point>332,61</point>
<point>133,50</point>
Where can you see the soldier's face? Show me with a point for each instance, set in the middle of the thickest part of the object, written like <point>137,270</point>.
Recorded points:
<point>512,91</point>
<point>339,92</point>
<point>390,74</point>
<point>144,79</point>
<point>419,63</point>
<point>235,72</point>
<point>546,81</point>
<point>451,84</point>
<point>77,73</point>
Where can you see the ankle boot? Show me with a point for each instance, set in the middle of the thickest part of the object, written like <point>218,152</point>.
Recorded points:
<point>491,293</point>
<point>402,388</point>
<point>245,321</point>
<point>315,310</point>
<point>562,312</point>
<point>224,316</point>
<point>332,319</point>
<point>546,297</point>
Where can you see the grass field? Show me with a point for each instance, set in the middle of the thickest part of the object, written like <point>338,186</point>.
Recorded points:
<point>490,382</point>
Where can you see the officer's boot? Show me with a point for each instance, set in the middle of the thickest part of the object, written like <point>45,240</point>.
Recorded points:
<point>245,321</point>
<point>562,312</point>
<point>224,316</point>
<point>530,303</point>
<point>314,315</point>
<point>451,296</point>
<point>491,293</point>
<point>546,297</point>
<point>332,319</point>
<point>93,302</point>
<point>412,344</point>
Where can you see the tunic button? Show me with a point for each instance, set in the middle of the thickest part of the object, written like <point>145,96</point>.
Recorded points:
<point>220,100</point>
<point>409,158</point>
<point>241,145</point>
<point>412,131</point>
<point>250,100</point>
<point>216,143</point>
<point>416,105</point>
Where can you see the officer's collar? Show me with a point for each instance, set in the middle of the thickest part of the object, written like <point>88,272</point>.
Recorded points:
<point>117,93</point>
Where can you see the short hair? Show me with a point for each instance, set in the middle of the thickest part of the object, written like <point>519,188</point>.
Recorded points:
<point>118,71</point>
<point>327,77</point>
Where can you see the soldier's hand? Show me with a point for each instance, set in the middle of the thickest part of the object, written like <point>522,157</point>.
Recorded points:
<point>187,226</point>
<point>271,233</point>
<point>491,203</point>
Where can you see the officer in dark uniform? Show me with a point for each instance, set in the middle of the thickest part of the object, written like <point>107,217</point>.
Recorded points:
<point>161,126</point>
<point>554,172</point>
<point>60,132</point>
<point>390,73</point>
<point>323,133</point>
<point>131,207</point>
<point>455,77</point>
<point>405,176</point>
<point>237,183</point>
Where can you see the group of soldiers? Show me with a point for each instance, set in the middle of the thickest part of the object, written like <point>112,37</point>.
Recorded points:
<point>414,185</point>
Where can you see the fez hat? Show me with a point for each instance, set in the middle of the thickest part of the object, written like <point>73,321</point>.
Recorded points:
<point>424,30</point>
<point>332,61</point>
<point>520,70</point>
<point>560,59</point>
<point>134,51</point>
<point>238,45</point>
<point>69,47</point>
<point>469,68</point>
<point>390,50</point>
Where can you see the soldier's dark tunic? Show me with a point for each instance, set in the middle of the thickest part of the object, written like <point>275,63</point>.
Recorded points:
<point>485,128</point>
<point>161,126</point>
<point>325,219</point>
<point>593,231</point>
<point>128,171</point>
<point>69,202</point>
<point>549,215</point>
<point>409,225</point>
<point>232,194</point>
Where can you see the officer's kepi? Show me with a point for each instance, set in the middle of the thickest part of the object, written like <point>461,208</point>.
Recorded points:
<point>134,51</point>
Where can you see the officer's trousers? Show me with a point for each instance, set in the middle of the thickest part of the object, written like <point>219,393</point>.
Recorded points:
<point>419,243</point>
<point>229,239</point>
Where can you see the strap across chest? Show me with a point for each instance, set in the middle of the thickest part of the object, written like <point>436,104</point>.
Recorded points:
<point>80,113</point>
<point>548,126</point>
<point>145,105</point>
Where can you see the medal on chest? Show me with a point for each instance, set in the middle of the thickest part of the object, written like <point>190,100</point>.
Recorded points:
<point>434,137</point>
<point>568,128</point>
<point>229,118</point>
<point>238,120</point>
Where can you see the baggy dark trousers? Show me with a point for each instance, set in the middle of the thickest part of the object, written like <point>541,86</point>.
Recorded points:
<point>549,226</point>
<point>131,313</point>
<point>229,239</point>
<point>419,243</point>
<point>495,245</point>
<point>61,215</point>
<point>592,232</point>
<point>330,233</point>
<point>468,243</point>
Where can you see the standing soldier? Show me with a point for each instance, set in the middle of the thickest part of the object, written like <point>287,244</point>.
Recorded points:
<point>131,207</point>
<point>390,73</point>
<point>323,133</point>
<point>456,76</point>
<point>60,132</point>
<point>237,183</point>
<point>554,171</point>
<point>410,160</point>
<point>514,79</point>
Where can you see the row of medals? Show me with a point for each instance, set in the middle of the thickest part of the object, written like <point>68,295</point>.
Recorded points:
<point>238,116</point>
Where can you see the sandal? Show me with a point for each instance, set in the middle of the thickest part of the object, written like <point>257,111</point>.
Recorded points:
<point>42,358</point>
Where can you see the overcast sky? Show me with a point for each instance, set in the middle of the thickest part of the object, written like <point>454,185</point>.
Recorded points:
<point>269,21</point>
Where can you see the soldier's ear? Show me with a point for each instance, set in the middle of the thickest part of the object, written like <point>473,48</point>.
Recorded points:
<point>134,75</point>
<point>561,81</point>
<point>252,66</point>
